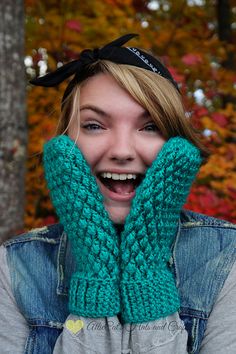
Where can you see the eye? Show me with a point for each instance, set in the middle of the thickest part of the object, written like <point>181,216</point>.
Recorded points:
<point>91,126</point>
<point>151,126</point>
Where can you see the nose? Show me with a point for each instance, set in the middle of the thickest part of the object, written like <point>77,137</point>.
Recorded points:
<point>122,148</point>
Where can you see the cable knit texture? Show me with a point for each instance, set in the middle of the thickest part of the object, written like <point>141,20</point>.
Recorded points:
<point>148,289</point>
<point>94,288</point>
<point>133,277</point>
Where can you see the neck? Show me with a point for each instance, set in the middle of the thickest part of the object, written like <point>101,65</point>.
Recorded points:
<point>119,227</point>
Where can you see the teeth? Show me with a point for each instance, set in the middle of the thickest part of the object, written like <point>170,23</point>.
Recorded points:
<point>117,176</point>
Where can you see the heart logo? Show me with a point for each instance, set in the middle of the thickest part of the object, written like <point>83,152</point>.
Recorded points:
<point>74,326</point>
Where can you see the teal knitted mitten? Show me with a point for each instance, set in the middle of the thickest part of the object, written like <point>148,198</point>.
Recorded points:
<point>148,290</point>
<point>94,288</point>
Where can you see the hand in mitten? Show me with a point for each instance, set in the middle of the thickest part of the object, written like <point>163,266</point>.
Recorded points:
<point>94,288</point>
<point>148,290</point>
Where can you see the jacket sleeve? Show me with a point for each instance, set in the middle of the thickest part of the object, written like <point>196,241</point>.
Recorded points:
<point>220,334</point>
<point>13,326</point>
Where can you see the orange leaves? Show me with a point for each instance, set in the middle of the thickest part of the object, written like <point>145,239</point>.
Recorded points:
<point>118,2</point>
<point>192,59</point>
<point>214,127</point>
<point>206,201</point>
<point>220,119</point>
<point>74,25</point>
<point>219,174</point>
<point>43,112</point>
<point>222,124</point>
<point>217,167</point>
<point>176,75</point>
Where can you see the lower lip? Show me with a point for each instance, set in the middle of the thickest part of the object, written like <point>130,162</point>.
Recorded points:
<point>114,196</point>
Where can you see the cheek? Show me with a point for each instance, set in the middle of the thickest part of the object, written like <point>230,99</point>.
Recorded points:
<point>151,150</point>
<point>88,153</point>
<point>91,153</point>
<point>91,149</point>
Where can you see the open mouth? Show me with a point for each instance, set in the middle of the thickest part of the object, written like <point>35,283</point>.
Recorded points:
<point>121,186</point>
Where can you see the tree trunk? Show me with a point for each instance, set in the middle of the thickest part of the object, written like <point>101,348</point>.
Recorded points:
<point>225,33</point>
<point>13,132</point>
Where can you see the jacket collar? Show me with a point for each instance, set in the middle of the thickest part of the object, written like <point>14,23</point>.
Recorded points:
<point>65,265</point>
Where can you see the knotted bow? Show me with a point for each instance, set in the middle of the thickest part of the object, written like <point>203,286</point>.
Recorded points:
<point>112,51</point>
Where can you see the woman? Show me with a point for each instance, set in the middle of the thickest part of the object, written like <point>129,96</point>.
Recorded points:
<point>126,270</point>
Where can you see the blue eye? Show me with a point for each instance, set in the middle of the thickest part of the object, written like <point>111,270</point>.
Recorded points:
<point>93,126</point>
<point>150,126</point>
<point>90,125</point>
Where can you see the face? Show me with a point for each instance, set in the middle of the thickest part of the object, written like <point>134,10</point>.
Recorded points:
<point>117,136</point>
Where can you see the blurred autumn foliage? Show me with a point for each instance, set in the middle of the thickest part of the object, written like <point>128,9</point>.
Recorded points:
<point>190,39</point>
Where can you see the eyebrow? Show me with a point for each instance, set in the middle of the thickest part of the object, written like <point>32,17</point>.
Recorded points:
<point>104,114</point>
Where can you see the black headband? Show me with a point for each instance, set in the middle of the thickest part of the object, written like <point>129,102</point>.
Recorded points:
<point>112,51</point>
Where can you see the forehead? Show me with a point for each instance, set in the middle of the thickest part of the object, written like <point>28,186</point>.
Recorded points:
<point>103,91</point>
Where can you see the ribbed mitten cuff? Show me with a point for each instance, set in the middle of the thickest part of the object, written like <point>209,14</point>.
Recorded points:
<point>150,299</point>
<point>93,297</point>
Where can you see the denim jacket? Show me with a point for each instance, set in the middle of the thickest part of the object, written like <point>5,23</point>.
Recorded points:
<point>203,255</point>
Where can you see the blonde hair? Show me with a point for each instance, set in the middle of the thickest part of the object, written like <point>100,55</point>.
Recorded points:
<point>153,92</point>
